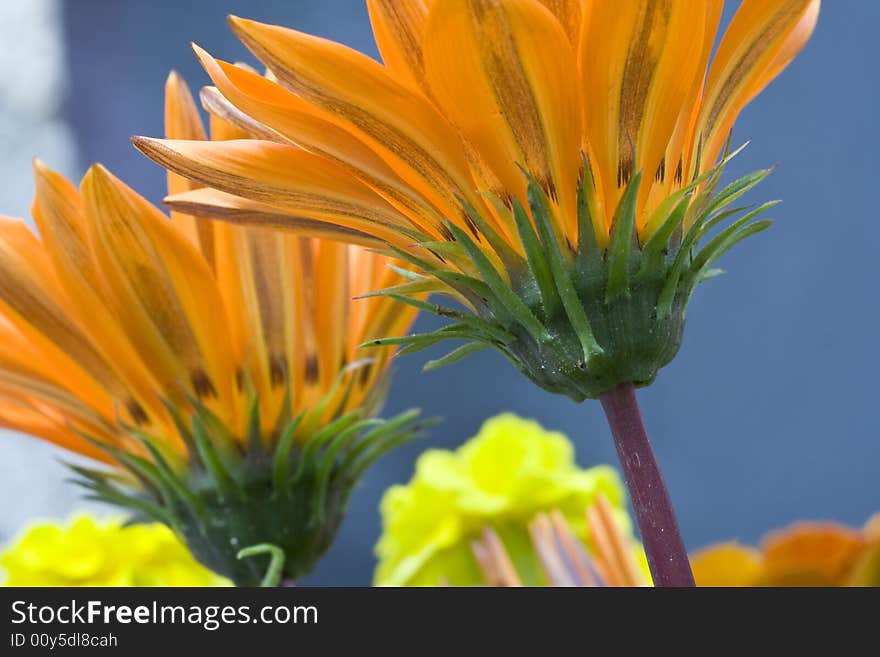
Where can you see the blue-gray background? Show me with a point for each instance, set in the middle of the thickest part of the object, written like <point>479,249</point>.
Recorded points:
<point>769,413</point>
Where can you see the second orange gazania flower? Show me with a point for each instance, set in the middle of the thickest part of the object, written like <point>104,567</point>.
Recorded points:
<point>213,368</point>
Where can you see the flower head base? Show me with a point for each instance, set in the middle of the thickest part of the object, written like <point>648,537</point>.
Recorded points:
<point>87,551</point>
<point>804,554</point>
<point>553,166</point>
<point>497,482</point>
<point>580,320</point>
<point>215,369</point>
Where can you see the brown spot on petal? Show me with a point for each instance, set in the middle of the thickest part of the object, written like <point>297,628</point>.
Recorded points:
<point>202,384</point>
<point>312,369</point>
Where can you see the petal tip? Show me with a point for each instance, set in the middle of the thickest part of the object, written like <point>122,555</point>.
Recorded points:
<point>200,52</point>
<point>174,78</point>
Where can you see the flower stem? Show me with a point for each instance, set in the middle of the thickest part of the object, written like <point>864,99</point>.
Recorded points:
<point>667,557</point>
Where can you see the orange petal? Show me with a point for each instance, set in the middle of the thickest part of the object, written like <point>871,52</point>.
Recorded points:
<point>354,92</point>
<point>726,564</point>
<point>811,554</point>
<point>214,204</point>
<point>33,301</point>
<point>763,37</point>
<point>19,416</point>
<point>60,216</point>
<point>680,152</point>
<point>650,53</point>
<point>398,28</point>
<point>236,124</point>
<point>291,118</point>
<point>501,71</point>
<point>569,13</point>
<point>306,184</point>
<point>182,121</point>
<point>162,290</point>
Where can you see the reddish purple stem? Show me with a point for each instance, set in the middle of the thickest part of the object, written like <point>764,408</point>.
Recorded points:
<point>667,557</point>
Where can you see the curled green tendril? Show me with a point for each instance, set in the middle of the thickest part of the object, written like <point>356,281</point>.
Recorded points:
<point>274,572</point>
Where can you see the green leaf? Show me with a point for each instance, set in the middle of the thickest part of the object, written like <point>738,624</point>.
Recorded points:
<point>455,355</point>
<point>734,190</point>
<point>316,442</point>
<point>390,426</point>
<point>654,252</point>
<point>623,239</point>
<point>255,445</point>
<point>227,487</point>
<point>422,286</point>
<point>406,273</point>
<point>726,239</point>
<point>728,243</point>
<point>590,258</point>
<point>509,257</point>
<point>507,298</point>
<point>281,459</point>
<point>537,261</point>
<point>574,310</point>
<point>328,460</point>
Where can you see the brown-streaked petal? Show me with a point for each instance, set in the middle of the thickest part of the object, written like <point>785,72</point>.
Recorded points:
<point>162,291</point>
<point>19,415</point>
<point>502,72</point>
<point>60,216</point>
<point>33,392</point>
<point>331,309</point>
<point>398,28</point>
<point>760,41</point>
<point>182,121</point>
<point>259,282</point>
<point>569,13</point>
<point>680,153</point>
<point>292,118</point>
<point>284,176</point>
<point>358,94</point>
<point>32,299</point>
<point>217,105</point>
<point>635,91</point>
<point>214,204</point>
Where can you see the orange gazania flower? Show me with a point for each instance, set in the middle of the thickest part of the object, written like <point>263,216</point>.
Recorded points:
<point>205,363</point>
<point>804,554</point>
<point>483,108</point>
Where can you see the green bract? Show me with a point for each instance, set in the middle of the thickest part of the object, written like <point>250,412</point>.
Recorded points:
<point>581,319</point>
<point>238,494</point>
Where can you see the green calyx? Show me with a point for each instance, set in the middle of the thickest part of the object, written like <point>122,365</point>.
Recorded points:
<point>234,498</point>
<point>582,319</point>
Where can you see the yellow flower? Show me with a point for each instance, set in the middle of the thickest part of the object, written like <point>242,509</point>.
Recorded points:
<point>804,554</point>
<point>87,551</point>
<point>214,368</point>
<point>511,471</point>
<point>551,165</point>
